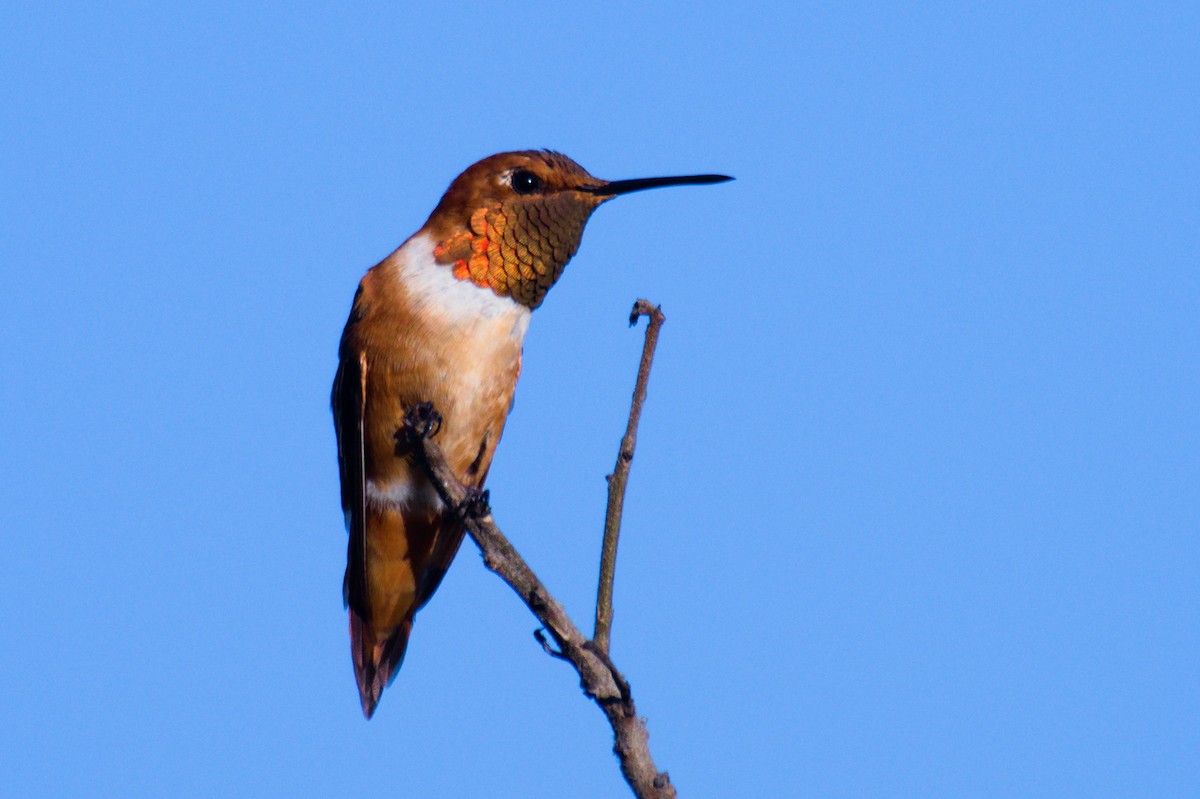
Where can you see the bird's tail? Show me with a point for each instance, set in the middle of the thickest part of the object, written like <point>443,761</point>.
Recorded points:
<point>377,657</point>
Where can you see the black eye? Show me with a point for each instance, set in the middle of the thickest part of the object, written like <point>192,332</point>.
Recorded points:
<point>525,182</point>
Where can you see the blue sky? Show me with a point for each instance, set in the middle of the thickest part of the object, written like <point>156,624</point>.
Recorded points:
<point>916,500</point>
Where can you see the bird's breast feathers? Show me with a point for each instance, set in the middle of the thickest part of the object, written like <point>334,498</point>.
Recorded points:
<point>430,337</point>
<point>442,298</point>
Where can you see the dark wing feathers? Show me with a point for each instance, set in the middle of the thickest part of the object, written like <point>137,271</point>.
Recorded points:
<point>348,405</point>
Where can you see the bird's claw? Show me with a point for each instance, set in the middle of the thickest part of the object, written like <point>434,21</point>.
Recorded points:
<point>423,420</point>
<point>475,504</point>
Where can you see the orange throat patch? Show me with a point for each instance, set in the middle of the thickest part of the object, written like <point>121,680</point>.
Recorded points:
<point>517,250</point>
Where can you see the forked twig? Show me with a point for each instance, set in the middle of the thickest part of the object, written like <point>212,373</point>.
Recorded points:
<point>598,675</point>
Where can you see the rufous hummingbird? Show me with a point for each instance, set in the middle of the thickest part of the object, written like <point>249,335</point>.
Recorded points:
<point>442,320</point>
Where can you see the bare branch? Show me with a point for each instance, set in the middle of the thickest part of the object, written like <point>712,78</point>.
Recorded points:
<point>620,476</point>
<point>598,676</point>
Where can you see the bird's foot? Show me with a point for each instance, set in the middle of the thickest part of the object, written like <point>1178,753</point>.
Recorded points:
<point>423,420</point>
<point>475,504</point>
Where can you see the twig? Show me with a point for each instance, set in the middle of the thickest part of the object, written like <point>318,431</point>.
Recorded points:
<point>598,675</point>
<point>620,476</point>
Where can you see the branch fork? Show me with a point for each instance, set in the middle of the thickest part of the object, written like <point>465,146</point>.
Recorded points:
<point>598,675</point>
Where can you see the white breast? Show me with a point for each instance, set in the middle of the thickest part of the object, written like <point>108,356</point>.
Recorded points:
<point>458,303</point>
<point>472,339</point>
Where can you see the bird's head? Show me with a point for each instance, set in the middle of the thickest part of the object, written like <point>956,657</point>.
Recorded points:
<point>511,222</point>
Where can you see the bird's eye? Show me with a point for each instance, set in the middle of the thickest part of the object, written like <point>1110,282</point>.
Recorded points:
<point>525,182</point>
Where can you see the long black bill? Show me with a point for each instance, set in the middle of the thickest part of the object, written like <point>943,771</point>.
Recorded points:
<point>640,184</point>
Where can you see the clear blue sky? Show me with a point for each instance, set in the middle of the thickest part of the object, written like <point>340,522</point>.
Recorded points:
<point>916,509</point>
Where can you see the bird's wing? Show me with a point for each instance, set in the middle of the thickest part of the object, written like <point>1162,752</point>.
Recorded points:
<point>445,547</point>
<point>348,402</point>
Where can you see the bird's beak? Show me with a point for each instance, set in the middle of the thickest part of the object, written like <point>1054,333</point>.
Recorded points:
<point>615,187</point>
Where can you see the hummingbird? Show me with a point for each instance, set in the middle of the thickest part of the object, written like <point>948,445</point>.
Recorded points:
<point>442,320</point>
